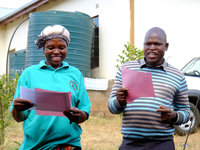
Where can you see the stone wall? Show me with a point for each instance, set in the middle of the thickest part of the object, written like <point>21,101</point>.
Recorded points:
<point>99,100</point>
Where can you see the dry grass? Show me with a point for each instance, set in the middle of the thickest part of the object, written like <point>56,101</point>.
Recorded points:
<point>192,143</point>
<point>101,133</point>
<point>98,134</point>
<point>104,134</point>
<point>14,136</point>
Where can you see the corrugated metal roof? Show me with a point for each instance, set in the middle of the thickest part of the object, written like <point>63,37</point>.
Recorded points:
<point>18,10</point>
<point>5,11</point>
<point>22,10</point>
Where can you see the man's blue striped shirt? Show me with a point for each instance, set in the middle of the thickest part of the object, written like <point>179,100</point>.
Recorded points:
<point>140,119</point>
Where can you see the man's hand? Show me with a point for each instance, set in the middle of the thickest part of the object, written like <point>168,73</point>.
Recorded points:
<point>167,115</point>
<point>121,96</point>
<point>76,115</point>
<point>22,104</point>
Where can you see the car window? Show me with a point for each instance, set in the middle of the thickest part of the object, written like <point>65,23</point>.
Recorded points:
<point>192,68</point>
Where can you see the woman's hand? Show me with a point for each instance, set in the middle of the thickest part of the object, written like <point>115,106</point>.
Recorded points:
<point>22,104</point>
<point>19,105</point>
<point>76,115</point>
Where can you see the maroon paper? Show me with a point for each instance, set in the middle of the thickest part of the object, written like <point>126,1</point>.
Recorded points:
<point>56,112</point>
<point>139,84</point>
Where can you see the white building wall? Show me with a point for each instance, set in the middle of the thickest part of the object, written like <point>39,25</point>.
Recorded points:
<point>114,33</point>
<point>114,30</point>
<point>2,47</point>
<point>179,19</point>
<point>18,42</point>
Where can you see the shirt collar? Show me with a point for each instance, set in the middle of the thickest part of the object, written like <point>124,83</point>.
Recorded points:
<point>43,65</point>
<point>162,66</point>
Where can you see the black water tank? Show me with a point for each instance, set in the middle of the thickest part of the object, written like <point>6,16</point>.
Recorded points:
<point>80,26</point>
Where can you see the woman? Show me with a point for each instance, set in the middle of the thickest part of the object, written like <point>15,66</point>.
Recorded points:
<point>52,132</point>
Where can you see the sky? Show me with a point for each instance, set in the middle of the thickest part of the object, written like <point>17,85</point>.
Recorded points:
<point>13,3</point>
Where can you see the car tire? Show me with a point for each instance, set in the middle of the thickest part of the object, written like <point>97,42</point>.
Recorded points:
<point>194,121</point>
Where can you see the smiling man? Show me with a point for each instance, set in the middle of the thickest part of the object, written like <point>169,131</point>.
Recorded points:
<point>147,122</point>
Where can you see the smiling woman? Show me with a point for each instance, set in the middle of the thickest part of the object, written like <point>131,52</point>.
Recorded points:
<point>80,26</point>
<point>53,74</point>
<point>54,40</point>
<point>55,51</point>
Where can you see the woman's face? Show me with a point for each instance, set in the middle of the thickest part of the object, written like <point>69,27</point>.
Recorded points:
<point>55,51</point>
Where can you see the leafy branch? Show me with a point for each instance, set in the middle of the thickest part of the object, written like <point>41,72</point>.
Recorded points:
<point>129,53</point>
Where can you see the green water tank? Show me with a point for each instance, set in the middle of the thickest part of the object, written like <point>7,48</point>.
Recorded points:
<point>17,62</point>
<point>80,26</point>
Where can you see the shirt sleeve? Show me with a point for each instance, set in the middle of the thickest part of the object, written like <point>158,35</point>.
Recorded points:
<point>113,104</point>
<point>84,103</point>
<point>181,103</point>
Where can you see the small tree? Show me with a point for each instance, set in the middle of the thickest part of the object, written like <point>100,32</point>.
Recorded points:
<point>7,89</point>
<point>129,53</point>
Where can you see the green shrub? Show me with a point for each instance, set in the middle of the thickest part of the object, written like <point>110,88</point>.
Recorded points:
<point>7,90</point>
<point>129,53</point>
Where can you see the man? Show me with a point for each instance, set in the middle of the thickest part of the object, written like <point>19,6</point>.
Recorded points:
<point>148,121</point>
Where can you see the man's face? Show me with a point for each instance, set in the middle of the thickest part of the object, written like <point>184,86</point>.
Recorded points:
<point>55,51</point>
<point>154,49</point>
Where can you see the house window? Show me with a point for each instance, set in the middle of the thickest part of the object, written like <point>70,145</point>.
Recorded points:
<point>95,44</point>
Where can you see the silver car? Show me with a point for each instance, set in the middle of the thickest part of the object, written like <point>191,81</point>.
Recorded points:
<point>192,75</point>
